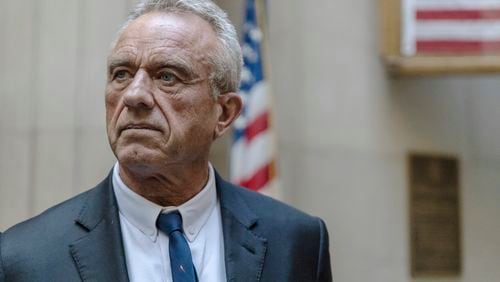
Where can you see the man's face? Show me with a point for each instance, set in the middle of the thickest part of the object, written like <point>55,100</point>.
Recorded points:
<point>159,104</point>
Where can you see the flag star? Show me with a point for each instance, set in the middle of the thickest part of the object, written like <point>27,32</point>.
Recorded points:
<point>255,34</point>
<point>246,75</point>
<point>248,26</point>
<point>249,53</point>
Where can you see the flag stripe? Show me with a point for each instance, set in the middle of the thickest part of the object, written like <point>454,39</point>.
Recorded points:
<point>480,30</point>
<point>259,179</point>
<point>259,125</point>
<point>254,154</point>
<point>246,157</point>
<point>457,46</point>
<point>458,14</point>
<point>455,4</point>
<point>255,104</point>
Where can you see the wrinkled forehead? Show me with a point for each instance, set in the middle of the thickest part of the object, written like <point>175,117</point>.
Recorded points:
<point>161,29</point>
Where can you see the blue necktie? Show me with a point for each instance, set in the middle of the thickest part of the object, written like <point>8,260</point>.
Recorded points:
<point>181,262</point>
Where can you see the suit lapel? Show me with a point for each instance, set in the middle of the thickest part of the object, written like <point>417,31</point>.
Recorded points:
<point>99,256</point>
<point>244,250</point>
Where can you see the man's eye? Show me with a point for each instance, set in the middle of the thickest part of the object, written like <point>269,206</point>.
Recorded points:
<point>168,77</point>
<point>121,75</point>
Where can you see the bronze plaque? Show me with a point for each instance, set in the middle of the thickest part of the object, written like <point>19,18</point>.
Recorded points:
<point>434,215</point>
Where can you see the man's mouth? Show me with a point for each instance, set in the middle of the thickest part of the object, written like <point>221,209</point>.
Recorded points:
<point>139,126</point>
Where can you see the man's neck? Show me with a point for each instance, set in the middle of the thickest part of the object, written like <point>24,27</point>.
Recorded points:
<point>172,187</point>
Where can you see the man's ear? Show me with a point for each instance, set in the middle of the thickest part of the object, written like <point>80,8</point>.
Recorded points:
<point>230,104</point>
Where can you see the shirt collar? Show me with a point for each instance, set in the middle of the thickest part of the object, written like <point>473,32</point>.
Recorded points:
<point>142,213</point>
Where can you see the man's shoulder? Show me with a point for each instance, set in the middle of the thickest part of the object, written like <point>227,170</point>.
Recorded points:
<point>270,211</point>
<point>53,226</point>
<point>40,244</point>
<point>57,215</point>
<point>266,206</point>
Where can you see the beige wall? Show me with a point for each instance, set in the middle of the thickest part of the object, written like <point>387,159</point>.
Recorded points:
<point>344,126</point>
<point>52,74</point>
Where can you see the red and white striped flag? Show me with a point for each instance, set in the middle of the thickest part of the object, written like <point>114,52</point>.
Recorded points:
<point>253,151</point>
<point>455,27</point>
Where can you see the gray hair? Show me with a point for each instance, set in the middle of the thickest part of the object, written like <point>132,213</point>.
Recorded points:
<point>227,58</point>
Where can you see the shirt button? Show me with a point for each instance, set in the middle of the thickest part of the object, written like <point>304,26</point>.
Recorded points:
<point>191,230</point>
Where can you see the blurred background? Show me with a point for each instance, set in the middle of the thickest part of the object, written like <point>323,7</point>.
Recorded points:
<point>344,126</point>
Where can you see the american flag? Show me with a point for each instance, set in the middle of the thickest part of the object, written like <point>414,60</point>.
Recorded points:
<point>253,154</point>
<point>456,27</point>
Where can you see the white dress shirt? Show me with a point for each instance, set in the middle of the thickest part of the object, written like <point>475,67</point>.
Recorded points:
<point>146,248</point>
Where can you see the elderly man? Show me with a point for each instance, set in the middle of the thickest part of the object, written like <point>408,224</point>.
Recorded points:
<point>163,213</point>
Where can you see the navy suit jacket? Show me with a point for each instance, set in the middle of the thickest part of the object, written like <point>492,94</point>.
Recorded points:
<point>80,240</point>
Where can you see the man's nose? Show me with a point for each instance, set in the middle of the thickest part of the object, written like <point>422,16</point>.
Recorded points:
<point>139,94</point>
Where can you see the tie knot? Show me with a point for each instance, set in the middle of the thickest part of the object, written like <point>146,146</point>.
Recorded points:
<point>169,222</point>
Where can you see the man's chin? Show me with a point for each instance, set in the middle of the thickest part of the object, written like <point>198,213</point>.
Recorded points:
<point>138,158</point>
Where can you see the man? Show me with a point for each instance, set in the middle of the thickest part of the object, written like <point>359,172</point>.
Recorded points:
<point>163,213</point>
